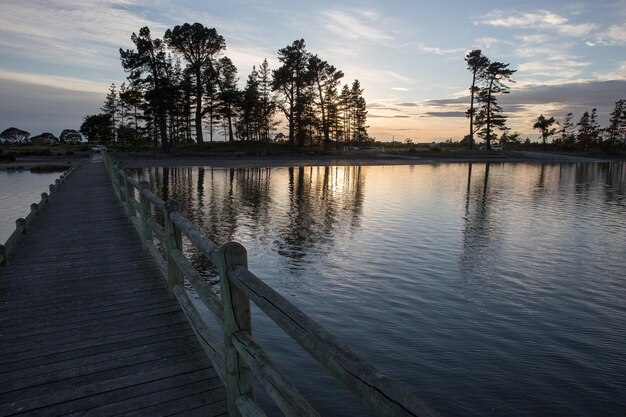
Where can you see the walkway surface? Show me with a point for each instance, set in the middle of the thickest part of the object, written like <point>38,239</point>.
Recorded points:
<point>86,323</point>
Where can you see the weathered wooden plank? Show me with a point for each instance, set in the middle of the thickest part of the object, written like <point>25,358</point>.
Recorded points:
<point>59,336</point>
<point>116,378</point>
<point>248,407</point>
<point>34,376</point>
<point>162,397</point>
<point>239,377</point>
<point>209,343</point>
<point>50,357</point>
<point>200,285</point>
<point>379,392</point>
<point>53,325</point>
<point>91,324</point>
<point>284,394</point>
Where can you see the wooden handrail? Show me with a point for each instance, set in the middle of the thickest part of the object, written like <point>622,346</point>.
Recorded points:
<point>22,224</point>
<point>241,359</point>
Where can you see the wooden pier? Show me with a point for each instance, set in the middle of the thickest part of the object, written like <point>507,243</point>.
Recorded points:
<point>96,316</point>
<point>86,325</point>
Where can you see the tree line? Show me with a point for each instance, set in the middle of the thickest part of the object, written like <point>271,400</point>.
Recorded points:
<point>183,85</point>
<point>489,80</point>
<point>587,132</point>
<point>14,135</point>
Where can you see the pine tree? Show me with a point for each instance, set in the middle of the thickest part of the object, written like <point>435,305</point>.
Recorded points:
<point>490,115</point>
<point>477,63</point>
<point>110,108</point>
<point>359,111</point>
<point>617,124</point>
<point>585,130</point>
<point>567,130</point>
<point>199,46</point>
<point>229,94</point>
<point>148,69</point>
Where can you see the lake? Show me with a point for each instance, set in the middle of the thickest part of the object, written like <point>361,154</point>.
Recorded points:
<point>485,289</point>
<point>18,190</point>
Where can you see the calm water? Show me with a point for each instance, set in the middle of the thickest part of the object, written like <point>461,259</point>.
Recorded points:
<point>485,289</point>
<point>18,190</point>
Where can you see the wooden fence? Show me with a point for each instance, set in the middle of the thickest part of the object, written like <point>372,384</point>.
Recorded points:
<point>239,359</point>
<point>22,224</point>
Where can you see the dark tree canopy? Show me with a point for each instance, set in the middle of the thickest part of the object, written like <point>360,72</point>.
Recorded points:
<point>199,46</point>
<point>71,136</point>
<point>545,127</point>
<point>97,128</point>
<point>182,84</point>
<point>14,135</point>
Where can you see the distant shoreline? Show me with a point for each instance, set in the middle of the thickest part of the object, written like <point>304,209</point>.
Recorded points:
<point>131,160</point>
<point>151,159</point>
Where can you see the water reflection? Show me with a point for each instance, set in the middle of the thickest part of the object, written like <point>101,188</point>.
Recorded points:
<point>519,261</point>
<point>295,214</point>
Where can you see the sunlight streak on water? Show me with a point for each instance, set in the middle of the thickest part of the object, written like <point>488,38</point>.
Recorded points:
<point>487,289</point>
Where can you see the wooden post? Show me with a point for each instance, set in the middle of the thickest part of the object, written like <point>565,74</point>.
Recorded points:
<point>20,225</point>
<point>130,198</point>
<point>4,255</point>
<point>173,240</point>
<point>146,213</point>
<point>34,208</point>
<point>44,197</point>
<point>51,187</point>
<point>120,182</point>
<point>239,377</point>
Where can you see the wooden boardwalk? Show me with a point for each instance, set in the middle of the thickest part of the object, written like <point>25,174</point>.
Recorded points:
<point>86,323</point>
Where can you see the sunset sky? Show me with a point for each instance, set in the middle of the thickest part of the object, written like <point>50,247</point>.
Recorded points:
<point>58,57</point>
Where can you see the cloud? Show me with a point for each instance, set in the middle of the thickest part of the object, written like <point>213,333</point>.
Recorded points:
<point>566,69</point>
<point>574,97</point>
<point>399,89</point>
<point>440,51</point>
<point>489,42</point>
<point>618,74</point>
<point>355,25</point>
<point>407,104</point>
<point>615,35</point>
<point>446,114</point>
<point>70,31</point>
<point>57,82</point>
<point>538,19</point>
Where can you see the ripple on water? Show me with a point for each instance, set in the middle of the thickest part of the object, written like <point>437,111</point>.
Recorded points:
<point>487,290</point>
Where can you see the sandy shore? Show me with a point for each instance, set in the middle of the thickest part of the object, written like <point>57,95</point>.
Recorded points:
<point>148,159</point>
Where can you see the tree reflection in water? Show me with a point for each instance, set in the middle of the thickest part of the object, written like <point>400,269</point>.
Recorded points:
<point>292,210</point>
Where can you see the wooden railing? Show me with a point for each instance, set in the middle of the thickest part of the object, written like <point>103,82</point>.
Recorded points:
<point>239,359</point>
<point>22,224</point>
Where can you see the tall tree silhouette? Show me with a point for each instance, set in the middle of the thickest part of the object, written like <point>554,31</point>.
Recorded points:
<point>110,107</point>
<point>477,63</point>
<point>617,124</point>
<point>229,94</point>
<point>291,80</point>
<point>490,116</point>
<point>148,67</point>
<point>199,46</point>
<point>326,79</point>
